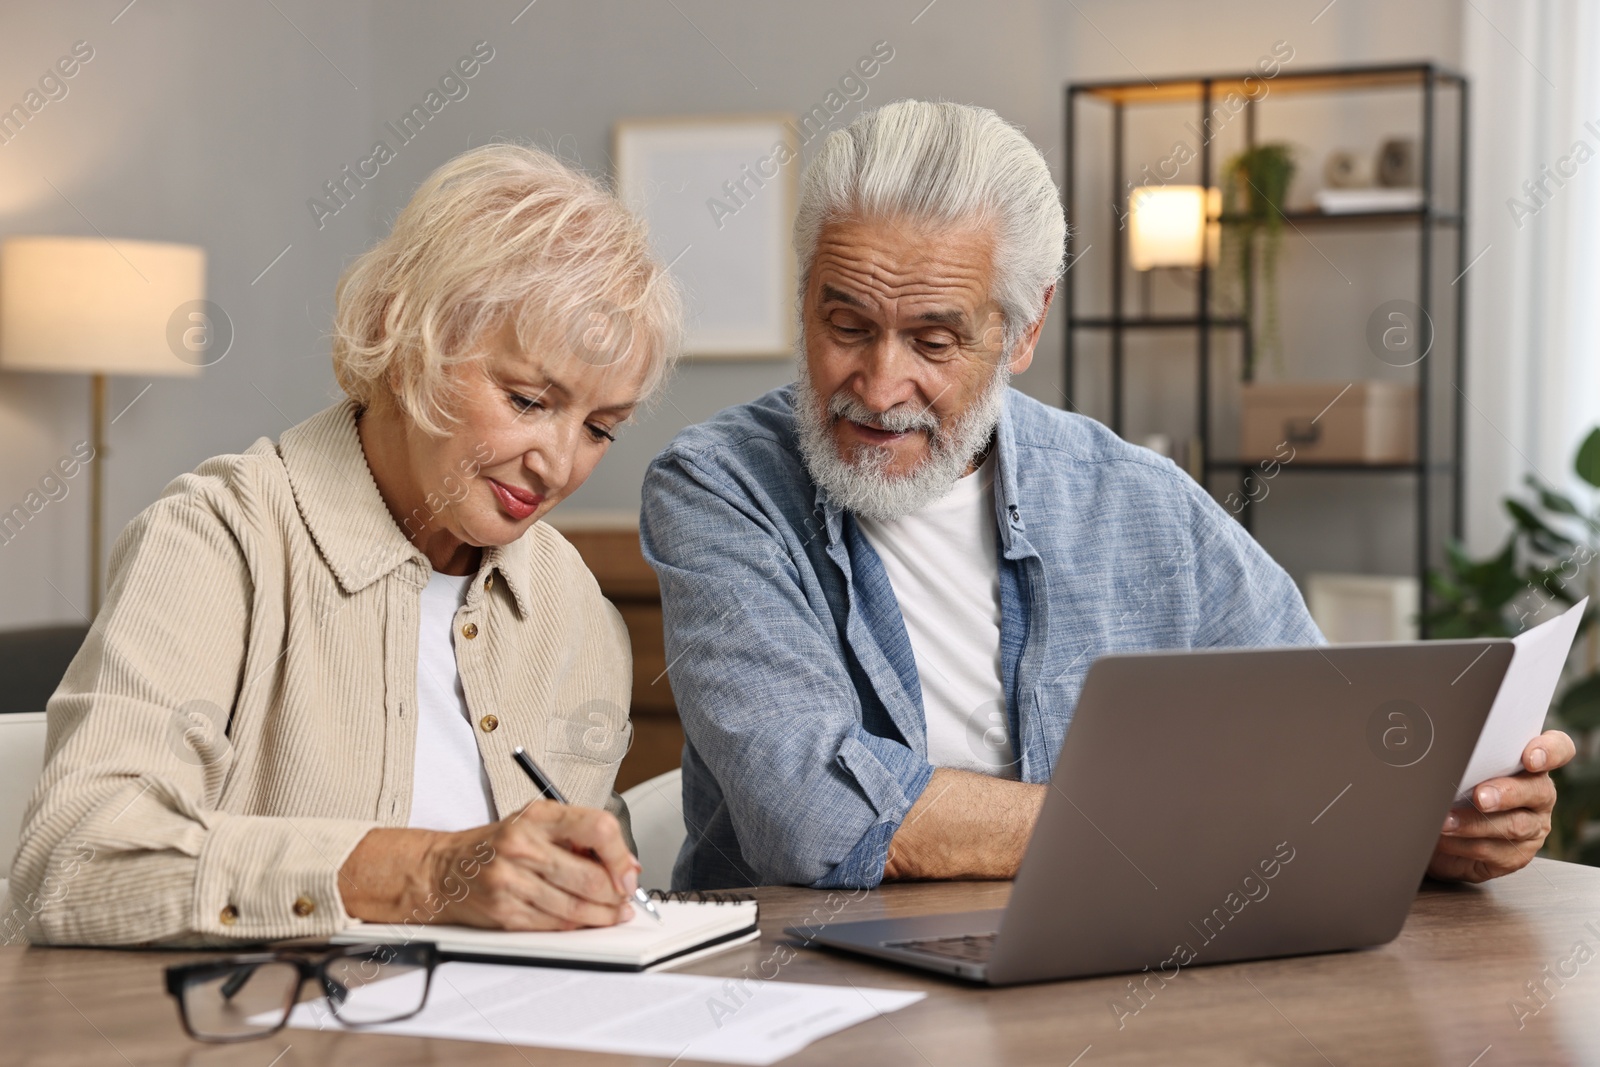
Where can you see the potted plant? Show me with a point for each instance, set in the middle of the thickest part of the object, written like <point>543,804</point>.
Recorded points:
<point>1255,185</point>
<point>1552,555</point>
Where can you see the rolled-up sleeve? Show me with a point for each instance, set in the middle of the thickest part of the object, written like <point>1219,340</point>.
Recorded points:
<point>123,842</point>
<point>763,688</point>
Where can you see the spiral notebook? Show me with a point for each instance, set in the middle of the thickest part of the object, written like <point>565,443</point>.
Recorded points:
<point>694,925</point>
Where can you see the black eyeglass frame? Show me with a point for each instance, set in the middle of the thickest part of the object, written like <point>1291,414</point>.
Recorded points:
<point>312,963</point>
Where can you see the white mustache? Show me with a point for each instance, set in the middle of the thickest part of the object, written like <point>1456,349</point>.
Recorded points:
<point>902,418</point>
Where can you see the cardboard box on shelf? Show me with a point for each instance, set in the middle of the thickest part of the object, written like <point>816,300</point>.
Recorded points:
<point>1329,422</point>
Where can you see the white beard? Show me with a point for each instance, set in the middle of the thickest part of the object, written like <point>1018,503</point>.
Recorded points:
<point>861,484</point>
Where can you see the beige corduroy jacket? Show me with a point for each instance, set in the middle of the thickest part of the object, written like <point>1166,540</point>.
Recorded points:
<point>244,709</point>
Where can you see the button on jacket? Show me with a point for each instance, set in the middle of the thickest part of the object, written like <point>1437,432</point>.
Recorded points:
<point>244,708</point>
<point>802,710</point>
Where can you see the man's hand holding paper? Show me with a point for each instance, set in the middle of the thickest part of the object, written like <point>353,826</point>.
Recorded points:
<point>1508,820</point>
<point>1502,813</point>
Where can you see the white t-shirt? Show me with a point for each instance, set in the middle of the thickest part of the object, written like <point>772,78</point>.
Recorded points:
<point>943,563</point>
<point>449,787</point>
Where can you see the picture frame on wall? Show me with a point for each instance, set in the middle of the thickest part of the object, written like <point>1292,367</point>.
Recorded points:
<point>718,193</point>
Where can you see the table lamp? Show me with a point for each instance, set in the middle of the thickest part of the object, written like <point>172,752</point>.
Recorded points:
<point>81,305</point>
<point>1166,226</point>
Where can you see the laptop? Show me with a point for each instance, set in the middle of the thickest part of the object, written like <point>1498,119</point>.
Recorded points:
<point>1221,805</point>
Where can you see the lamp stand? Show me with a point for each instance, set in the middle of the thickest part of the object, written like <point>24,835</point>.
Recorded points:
<point>97,418</point>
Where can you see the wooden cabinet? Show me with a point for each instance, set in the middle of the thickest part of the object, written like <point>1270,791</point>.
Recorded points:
<point>609,544</point>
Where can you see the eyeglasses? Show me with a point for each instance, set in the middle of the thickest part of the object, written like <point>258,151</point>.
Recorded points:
<point>238,998</point>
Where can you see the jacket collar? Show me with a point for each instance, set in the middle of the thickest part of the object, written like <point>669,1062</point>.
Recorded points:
<point>1008,516</point>
<point>351,524</point>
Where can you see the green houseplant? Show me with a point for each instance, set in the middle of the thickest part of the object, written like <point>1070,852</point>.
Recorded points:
<point>1551,555</point>
<point>1255,184</point>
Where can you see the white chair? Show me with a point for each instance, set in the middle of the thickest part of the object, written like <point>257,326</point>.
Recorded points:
<point>21,761</point>
<point>656,810</point>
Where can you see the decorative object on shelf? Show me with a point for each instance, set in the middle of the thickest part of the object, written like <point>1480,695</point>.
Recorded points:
<point>1372,198</point>
<point>1370,422</point>
<point>1345,169</point>
<point>1349,176</point>
<point>1255,186</point>
<point>1364,608</point>
<point>86,305</point>
<point>1396,165</point>
<point>1551,556</point>
<point>719,195</point>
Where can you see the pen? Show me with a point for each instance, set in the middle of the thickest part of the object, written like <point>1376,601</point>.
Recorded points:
<point>548,788</point>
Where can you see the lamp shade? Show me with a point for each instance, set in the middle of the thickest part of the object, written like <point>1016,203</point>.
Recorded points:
<point>79,305</point>
<point>1166,226</point>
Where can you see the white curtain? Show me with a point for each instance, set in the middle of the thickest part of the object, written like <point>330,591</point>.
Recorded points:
<point>1533,323</point>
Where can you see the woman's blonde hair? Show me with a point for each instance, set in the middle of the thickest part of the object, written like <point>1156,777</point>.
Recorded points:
<point>503,231</point>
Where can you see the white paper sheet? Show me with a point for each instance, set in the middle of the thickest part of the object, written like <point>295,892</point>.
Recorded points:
<point>1517,715</point>
<point>673,1016</point>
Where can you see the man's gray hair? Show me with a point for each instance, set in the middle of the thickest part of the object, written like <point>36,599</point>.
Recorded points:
<point>949,164</point>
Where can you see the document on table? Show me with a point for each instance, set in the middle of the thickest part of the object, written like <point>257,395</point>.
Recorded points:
<point>1517,714</point>
<point>724,1020</point>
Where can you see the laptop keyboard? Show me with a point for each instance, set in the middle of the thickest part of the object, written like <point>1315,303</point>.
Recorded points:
<point>969,948</point>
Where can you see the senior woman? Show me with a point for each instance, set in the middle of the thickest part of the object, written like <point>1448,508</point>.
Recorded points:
<point>299,704</point>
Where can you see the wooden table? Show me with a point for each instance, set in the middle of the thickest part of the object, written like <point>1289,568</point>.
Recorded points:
<point>1442,993</point>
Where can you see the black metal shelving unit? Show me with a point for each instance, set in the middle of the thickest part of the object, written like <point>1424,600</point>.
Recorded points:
<point>1430,81</point>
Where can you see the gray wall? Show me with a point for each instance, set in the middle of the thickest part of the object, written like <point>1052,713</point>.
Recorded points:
<point>200,123</point>
<point>214,123</point>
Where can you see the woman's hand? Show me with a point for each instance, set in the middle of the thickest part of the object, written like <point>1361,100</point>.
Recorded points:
<point>548,867</point>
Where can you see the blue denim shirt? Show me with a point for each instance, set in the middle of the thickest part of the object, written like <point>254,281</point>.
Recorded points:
<point>802,711</point>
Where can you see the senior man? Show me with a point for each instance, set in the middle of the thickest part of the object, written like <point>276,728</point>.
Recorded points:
<point>884,585</point>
